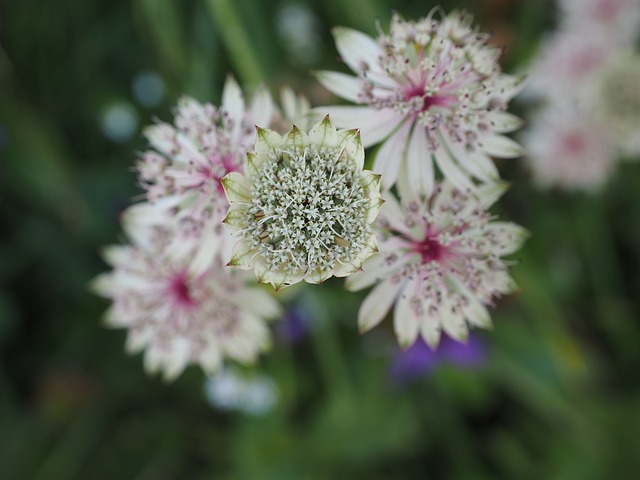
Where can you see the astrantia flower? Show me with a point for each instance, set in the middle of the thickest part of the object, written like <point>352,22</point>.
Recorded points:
<point>433,91</point>
<point>617,18</point>
<point>569,149</point>
<point>439,263</point>
<point>179,317</point>
<point>618,101</point>
<point>304,208</point>
<point>182,173</point>
<point>568,63</point>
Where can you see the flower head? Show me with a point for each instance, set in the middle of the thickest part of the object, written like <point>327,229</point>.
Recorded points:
<point>432,90</point>
<point>181,173</point>
<point>304,208</point>
<point>618,101</point>
<point>180,317</point>
<point>568,149</point>
<point>439,263</point>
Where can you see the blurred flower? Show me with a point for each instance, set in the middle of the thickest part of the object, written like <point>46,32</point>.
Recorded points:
<point>304,207</point>
<point>619,19</point>
<point>119,121</point>
<point>294,325</point>
<point>180,317</point>
<point>229,389</point>
<point>148,88</point>
<point>433,90</point>
<point>568,148</point>
<point>295,111</point>
<point>618,100</point>
<point>439,263</point>
<point>421,360</point>
<point>183,171</point>
<point>568,64</point>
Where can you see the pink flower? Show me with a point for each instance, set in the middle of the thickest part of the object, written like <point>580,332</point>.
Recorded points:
<point>431,91</point>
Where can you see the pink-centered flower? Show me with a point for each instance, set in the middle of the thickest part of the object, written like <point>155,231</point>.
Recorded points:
<point>181,173</point>
<point>569,148</point>
<point>179,317</point>
<point>619,19</point>
<point>432,91</point>
<point>440,263</point>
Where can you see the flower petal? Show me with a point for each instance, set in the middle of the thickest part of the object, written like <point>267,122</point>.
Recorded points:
<point>391,155</point>
<point>375,307</point>
<point>323,133</point>
<point>359,51</point>
<point>262,108</point>
<point>419,163</point>
<point>406,321</point>
<point>233,103</point>
<point>374,125</point>
<point>501,147</point>
<point>340,84</point>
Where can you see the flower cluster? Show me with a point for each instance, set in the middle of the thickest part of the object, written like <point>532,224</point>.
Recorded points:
<point>586,74</point>
<point>223,197</point>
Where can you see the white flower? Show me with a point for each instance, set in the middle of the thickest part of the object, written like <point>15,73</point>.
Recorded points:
<point>569,148</point>
<point>567,65</point>
<point>433,92</point>
<point>179,317</point>
<point>619,19</point>
<point>618,102</point>
<point>253,394</point>
<point>304,208</point>
<point>439,263</point>
<point>182,173</point>
<point>296,110</point>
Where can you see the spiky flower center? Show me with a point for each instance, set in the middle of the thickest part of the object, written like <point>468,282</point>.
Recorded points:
<point>308,211</point>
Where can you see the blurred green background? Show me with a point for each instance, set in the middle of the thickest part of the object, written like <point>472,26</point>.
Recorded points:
<point>557,398</point>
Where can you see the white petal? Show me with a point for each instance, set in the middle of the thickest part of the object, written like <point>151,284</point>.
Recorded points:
<point>178,359</point>
<point>391,155</point>
<point>406,322</point>
<point>510,237</point>
<point>262,108</point>
<point>340,84</point>
<point>377,304</point>
<point>430,329</point>
<point>449,169</point>
<point>501,147</point>
<point>419,163</point>
<point>357,49</point>
<point>476,163</point>
<point>259,302</point>
<point>233,103</point>
<point>374,125</point>
<point>211,358</point>
<point>503,122</point>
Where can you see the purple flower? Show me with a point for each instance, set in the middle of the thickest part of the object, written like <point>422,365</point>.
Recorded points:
<point>294,326</point>
<point>420,360</point>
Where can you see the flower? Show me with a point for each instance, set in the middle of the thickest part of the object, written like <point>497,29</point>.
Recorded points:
<point>616,18</point>
<point>568,148</point>
<point>432,91</point>
<point>181,173</point>
<point>304,208</point>
<point>231,389</point>
<point>420,360</point>
<point>179,317</point>
<point>439,263</point>
<point>618,102</point>
<point>568,63</point>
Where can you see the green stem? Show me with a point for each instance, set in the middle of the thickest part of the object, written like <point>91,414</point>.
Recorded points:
<point>235,37</point>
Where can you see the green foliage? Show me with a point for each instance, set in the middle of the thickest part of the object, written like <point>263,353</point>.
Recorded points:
<point>558,397</point>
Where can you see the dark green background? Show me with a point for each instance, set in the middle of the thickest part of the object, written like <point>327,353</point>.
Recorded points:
<point>557,399</point>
